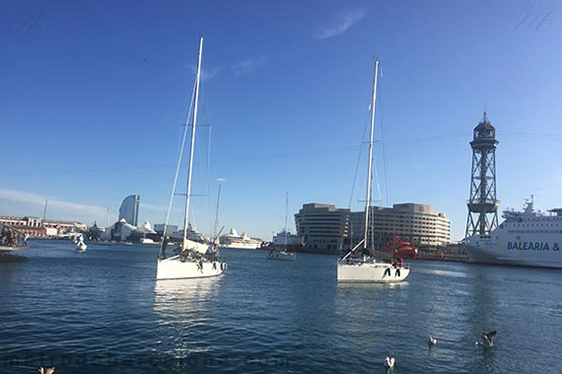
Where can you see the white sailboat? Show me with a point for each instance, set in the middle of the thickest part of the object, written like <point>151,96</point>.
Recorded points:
<point>283,254</point>
<point>191,259</point>
<point>359,265</point>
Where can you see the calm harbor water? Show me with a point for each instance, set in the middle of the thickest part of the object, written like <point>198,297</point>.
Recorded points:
<point>103,312</point>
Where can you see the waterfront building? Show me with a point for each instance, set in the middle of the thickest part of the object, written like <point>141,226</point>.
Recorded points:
<point>328,229</point>
<point>119,231</point>
<point>129,209</point>
<point>31,226</point>
<point>418,224</point>
<point>323,227</point>
<point>37,228</point>
<point>57,227</point>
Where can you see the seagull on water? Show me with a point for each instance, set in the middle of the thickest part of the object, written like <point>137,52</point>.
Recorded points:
<point>432,341</point>
<point>42,370</point>
<point>389,362</point>
<point>487,339</point>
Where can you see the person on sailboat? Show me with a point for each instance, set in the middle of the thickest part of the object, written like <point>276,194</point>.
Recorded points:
<point>164,245</point>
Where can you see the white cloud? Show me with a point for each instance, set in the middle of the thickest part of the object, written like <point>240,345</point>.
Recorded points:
<point>221,180</point>
<point>247,66</point>
<point>345,21</point>
<point>205,74</point>
<point>155,208</point>
<point>26,201</point>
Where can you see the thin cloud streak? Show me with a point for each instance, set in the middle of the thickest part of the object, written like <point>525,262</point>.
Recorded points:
<point>344,22</point>
<point>152,207</point>
<point>247,66</point>
<point>205,74</point>
<point>87,211</point>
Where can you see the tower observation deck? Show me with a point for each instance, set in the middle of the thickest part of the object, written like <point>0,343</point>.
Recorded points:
<point>482,203</point>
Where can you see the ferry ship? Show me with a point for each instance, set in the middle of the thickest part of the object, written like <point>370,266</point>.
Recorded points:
<point>525,238</point>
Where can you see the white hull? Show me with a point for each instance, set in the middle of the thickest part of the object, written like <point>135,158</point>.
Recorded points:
<point>174,268</point>
<point>241,245</point>
<point>283,256</point>
<point>10,248</point>
<point>528,251</point>
<point>81,247</point>
<point>148,241</point>
<point>371,272</point>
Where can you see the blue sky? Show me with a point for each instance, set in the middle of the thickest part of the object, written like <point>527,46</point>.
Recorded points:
<point>93,96</point>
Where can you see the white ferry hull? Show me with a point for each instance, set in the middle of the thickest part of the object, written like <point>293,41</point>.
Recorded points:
<point>174,268</point>
<point>537,252</point>
<point>375,272</point>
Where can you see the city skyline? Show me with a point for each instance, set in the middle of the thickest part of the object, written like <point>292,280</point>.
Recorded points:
<point>102,91</point>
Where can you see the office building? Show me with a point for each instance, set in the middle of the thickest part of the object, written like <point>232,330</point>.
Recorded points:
<point>419,224</point>
<point>323,227</point>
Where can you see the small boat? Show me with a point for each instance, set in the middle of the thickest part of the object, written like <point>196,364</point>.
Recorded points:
<point>191,259</point>
<point>148,241</point>
<point>11,239</point>
<point>282,255</point>
<point>79,241</point>
<point>359,264</point>
<point>280,250</point>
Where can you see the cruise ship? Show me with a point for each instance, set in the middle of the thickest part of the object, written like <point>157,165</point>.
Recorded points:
<point>525,238</point>
<point>233,240</point>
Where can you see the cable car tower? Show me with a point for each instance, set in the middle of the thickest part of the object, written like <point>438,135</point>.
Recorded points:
<point>482,204</point>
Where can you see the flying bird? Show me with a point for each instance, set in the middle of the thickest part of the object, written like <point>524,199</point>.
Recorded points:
<point>42,370</point>
<point>487,339</point>
<point>389,362</point>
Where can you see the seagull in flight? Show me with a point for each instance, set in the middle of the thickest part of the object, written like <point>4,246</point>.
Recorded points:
<point>432,341</point>
<point>42,370</point>
<point>389,362</point>
<point>487,339</point>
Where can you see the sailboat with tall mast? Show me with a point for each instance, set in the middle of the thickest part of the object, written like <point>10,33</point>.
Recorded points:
<point>359,264</point>
<point>191,259</point>
<point>281,240</point>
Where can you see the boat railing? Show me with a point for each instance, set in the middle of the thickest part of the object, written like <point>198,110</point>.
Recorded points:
<point>12,237</point>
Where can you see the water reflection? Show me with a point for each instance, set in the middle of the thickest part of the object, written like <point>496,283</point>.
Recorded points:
<point>373,286</point>
<point>178,300</point>
<point>185,310</point>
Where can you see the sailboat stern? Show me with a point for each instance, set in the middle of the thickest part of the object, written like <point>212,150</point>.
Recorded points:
<point>375,272</point>
<point>175,268</point>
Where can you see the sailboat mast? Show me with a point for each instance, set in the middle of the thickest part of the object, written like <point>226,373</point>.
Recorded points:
<point>45,210</point>
<point>286,216</point>
<point>370,161</point>
<point>190,171</point>
<point>217,214</point>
